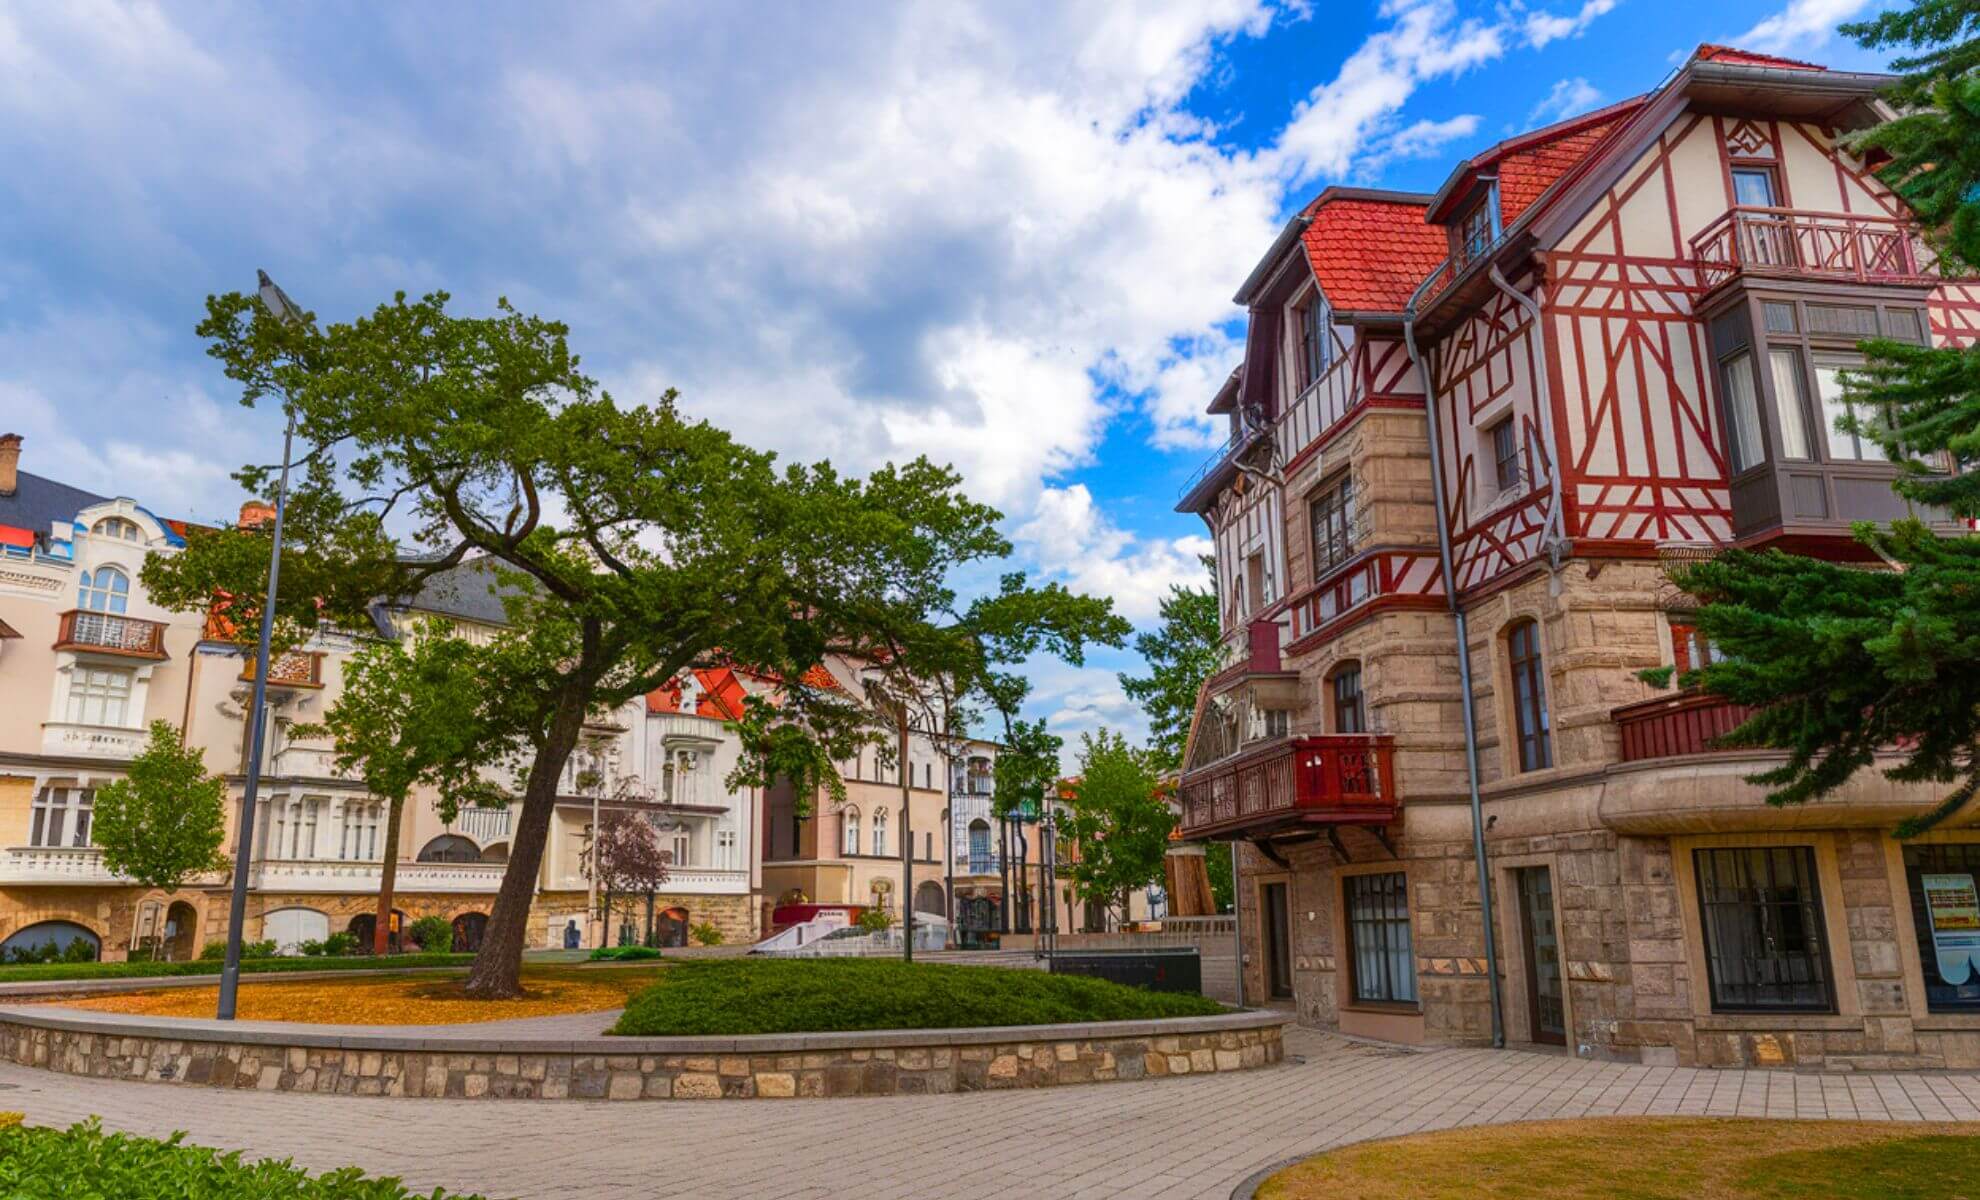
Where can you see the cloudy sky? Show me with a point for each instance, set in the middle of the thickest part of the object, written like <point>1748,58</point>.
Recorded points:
<point>1003,236</point>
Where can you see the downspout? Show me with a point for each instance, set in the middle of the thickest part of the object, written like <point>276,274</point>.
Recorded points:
<point>1464,661</point>
<point>1551,539</point>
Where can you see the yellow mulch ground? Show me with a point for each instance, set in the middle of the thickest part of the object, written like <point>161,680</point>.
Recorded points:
<point>1651,1158</point>
<point>404,1000</point>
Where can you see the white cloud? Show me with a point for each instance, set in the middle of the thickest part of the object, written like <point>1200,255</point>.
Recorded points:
<point>1802,25</point>
<point>1569,97</point>
<point>1539,28</point>
<point>1071,539</point>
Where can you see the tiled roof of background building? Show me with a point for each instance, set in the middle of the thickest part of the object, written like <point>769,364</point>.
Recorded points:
<point>1369,250</point>
<point>38,503</point>
<point>721,695</point>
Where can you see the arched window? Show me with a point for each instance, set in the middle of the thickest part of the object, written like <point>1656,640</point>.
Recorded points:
<point>880,831</point>
<point>449,848</point>
<point>105,589</point>
<point>121,528</point>
<point>851,820</point>
<point>980,862</point>
<point>1344,699</point>
<point>1529,694</point>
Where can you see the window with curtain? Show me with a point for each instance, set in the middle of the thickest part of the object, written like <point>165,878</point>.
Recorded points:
<point>1379,947</point>
<point>1792,397</point>
<point>1349,714</point>
<point>61,817</point>
<point>105,589</point>
<point>1530,723</point>
<point>100,696</point>
<point>1761,910</point>
<point>1331,513</point>
<point>1743,439</point>
<point>1836,405</point>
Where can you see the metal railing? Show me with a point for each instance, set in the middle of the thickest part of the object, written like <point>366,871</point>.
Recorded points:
<point>87,630</point>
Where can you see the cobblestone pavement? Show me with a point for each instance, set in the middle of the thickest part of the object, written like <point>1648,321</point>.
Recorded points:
<point>1186,1137</point>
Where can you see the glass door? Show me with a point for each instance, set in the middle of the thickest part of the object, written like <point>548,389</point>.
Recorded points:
<point>1546,1002</point>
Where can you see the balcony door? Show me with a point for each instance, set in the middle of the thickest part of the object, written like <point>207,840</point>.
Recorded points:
<point>1278,942</point>
<point>1545,998</point>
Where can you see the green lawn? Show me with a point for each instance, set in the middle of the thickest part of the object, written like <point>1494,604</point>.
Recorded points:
<point>39,972</point>
<point>1651,1158</point>
<point>818,995</point>
<point>85,1162</point>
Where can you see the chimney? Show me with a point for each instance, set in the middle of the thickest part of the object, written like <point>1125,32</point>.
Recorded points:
<point>10,463</point>
<point>255,513</point>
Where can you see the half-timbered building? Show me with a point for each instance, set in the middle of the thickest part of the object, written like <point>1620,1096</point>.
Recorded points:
<point>1470,431</point>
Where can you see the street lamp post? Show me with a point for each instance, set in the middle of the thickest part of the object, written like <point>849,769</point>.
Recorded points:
<point>283,309</point>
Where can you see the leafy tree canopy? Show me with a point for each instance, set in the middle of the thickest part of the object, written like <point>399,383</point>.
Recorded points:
<point>164,821</point>
<point>1181,653</point>
<point>1121,825</point>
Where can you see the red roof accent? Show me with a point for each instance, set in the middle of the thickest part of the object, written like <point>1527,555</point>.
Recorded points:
<point>1369,254</point>
<point>1530,163</point>
<point>721,695</point>
<point>817,676</point>
<point>1707,52</point>
<point>11,536</point>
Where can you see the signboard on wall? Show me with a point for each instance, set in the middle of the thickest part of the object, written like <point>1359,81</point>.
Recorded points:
<point>1954,909</point>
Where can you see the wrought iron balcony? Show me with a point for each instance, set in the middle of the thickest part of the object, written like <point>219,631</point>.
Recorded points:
<point>1790,242</point>
<point>1670,726</point>
<point>111,633</point>
<point>1331,779</point>
<point>296,669</point>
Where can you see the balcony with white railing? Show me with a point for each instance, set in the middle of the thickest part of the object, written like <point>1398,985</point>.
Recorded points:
<point>56,865</point>
<point>723,881</point>
<point>68,739</point>
<point>359,876</point>
<point>483,825</point>
<point>1791,243</point>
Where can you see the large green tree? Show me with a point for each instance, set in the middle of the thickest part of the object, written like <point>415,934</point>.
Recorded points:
<point>1181,652</point>
<point>164,821</point>
<point>411,714</point>
<point>1119,823</point>
<point>1842,661</point>
<point>639,543</point>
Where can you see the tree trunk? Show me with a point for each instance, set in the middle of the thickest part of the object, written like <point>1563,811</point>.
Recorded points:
<point>907,845</point>
<point>388,879</point>
<point>497,972</point>
<point>605,919</point>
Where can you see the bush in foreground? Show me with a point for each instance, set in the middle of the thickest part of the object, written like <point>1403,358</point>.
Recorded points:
<point>41,972</point>
<point>818,995</point>
<point>84,1161</point>
<point>623,953</point>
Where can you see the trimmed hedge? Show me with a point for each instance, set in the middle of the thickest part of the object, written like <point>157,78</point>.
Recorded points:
<point>623,953</point>
<point>39,972</point>
<point>83,1161</point>
<point>822,995</point>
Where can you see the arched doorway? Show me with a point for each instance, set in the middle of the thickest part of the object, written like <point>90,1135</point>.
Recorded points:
<point>468,928</point>
<point>364,928</point>
<point>450,848</point>
<point>670,927</point>
<point>929,898</point>
<point>181,932</point>
<point>48,940</point>
<point>289,928</point>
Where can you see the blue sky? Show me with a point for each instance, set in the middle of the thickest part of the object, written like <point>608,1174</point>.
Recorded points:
<point>1003,236</point>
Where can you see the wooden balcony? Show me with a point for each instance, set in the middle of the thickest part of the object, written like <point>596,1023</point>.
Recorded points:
<point>1787,242</point>
<point>1673,726</point>
<point>110,633</point>
<point>295,669</point>
<point>1333,779</point>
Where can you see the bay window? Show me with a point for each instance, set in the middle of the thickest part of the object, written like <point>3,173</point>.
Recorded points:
<point>61,817</point>
<point>99,695</point>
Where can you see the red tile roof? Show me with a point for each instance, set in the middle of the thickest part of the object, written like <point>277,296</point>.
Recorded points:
<point>1530,163</point>
<point>1369,251</point>
<point>1708,52</point>
<point>721,695</point>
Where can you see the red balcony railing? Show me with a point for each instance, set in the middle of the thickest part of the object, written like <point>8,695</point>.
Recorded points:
<point>110,633</point>
<point>297,668</point>
<point>1687,723</point>
<point>1786,241</point>
<point>1334,779</point>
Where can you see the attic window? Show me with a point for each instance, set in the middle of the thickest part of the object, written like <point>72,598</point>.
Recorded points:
<point>1314,350</point>
<point>1475,229</point>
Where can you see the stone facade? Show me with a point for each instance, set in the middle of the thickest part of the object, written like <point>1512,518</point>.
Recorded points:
<point>879,1064</point>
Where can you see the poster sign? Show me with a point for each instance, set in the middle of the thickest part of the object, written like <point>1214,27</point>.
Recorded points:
<point>1954,908</point>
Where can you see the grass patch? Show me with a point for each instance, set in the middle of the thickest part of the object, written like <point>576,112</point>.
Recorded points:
<point>43,972</point>
<point>548,990</point>
<point>819,995</point>
<point>1651,1158</point>
<point>83,1161</point>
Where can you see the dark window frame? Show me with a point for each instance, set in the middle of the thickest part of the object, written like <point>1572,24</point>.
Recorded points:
<point>1503,436</point>
<point>1386,896</point>
<point>1802,916</point>
<point>1330,520</point>
<point>1315,348</point>
<point>1474,228</point>
<point>1346,697</point>
<point>1532,722</point>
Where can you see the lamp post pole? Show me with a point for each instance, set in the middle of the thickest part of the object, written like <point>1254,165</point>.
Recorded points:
<point>282,309</point>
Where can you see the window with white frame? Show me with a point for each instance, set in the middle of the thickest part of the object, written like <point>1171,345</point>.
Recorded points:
<point>293,834</point>
<point>61,817</point>
<point>880,832</point>
<point>100,696</point>
<point>851,824</point>
<point>679,845</point>
<point>105,589</point>
<point>359,842</point>
<point>725,849</point>
<point>121,528</point>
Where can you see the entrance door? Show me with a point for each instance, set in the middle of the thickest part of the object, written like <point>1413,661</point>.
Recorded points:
<point>1278,939</point>
<point>1546,1006</point>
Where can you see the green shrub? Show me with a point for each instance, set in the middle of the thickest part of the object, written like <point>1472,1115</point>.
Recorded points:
<point>623,953</point>
<point>43,971</point>
<point>310,948</point>
<point>78,951</point>
<point>434,934</point>
<point>218,950</point>
<point>720,997</point>
<point>705,934</point>
<point>85,1161</point>
<point>874,920</point>
<point>339,945</point>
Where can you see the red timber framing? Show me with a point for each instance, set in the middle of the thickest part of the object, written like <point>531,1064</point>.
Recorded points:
<point>1954,314</point>
<point>1374,373</point>
<point>1378,579</point>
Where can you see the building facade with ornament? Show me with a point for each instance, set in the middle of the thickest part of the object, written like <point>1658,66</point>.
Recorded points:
<point>1597,348</point>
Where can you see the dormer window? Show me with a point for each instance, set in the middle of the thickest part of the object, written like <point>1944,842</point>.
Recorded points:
<point>120,528</point>
<point>1475,229</point>
<point>1315,350</point>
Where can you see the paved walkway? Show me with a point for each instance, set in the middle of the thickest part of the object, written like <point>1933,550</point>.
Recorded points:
<point>1186,1137</point>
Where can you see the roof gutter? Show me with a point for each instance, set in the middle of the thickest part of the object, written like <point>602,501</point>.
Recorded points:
<point>1466,701</point>
<point>1284,242</point>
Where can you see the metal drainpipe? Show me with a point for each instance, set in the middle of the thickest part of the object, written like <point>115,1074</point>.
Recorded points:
<point>1550,532</point>
<point>1464,663</point>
